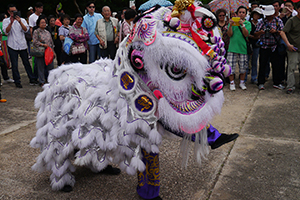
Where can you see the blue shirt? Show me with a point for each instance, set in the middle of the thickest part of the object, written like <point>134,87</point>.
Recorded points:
<point>89,22</point>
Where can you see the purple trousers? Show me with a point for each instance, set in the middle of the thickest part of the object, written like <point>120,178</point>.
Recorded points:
<point>149,180</point>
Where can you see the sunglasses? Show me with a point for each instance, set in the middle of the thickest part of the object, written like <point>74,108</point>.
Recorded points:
<point>221,15</point>
<point>91,6</point>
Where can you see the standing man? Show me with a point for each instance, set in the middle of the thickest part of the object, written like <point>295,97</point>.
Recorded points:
<point>277,5</point>
<point>253,6</point>
<point>107,32</point>
<point>34,16</point>
<point>290,35</point>
<point>89,22</point>
<point>15,28</point>
<point>268,29</point>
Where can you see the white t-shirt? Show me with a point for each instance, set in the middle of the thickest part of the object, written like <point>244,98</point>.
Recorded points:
<point>32,20</point>
<point>16,36</point>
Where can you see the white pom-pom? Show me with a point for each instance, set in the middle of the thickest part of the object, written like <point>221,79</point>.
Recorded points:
<point>155,137</point>
<point>154,149</point>
<point>174,22</point>
<point>137,164</point>
<point>216,84</point>
<point>217,67</point>
<point>227,70</point>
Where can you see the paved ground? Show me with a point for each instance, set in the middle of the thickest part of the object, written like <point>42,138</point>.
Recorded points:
<point>262,164</point>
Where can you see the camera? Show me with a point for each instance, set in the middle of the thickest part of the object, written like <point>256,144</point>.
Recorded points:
<point>259,43</point>
<point>267,32</point>
<point>16,13</point>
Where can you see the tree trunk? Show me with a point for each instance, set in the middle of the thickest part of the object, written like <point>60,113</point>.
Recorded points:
<point>75,2</point>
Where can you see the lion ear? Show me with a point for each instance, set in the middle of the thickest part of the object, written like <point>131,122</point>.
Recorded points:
<point>144,30</point>
<point>201,12</point>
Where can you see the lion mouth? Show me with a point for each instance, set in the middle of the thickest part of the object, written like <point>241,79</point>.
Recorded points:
<point>185,107</point>
<point>188,107</point>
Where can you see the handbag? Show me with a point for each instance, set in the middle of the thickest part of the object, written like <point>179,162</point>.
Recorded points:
<point>78,48</point>
<point>249,46</point>
<point>67,45</point>
<point>49,55</point>
<point>36,51</point>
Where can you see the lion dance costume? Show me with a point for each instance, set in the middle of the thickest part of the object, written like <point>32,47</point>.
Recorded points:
<point>166,79</point>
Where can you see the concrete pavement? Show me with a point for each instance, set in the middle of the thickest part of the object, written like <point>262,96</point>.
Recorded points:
<point>262,164</point>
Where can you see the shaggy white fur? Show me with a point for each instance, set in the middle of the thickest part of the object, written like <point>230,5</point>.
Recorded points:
<point>106,111</point>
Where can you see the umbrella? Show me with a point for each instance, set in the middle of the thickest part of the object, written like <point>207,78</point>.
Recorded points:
<point>294,1</point>
<point>228,5</point>
<point>151,3</point>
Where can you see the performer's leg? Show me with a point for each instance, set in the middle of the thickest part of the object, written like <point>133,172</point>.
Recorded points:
<point>149,180</point>
<point>212,134</point>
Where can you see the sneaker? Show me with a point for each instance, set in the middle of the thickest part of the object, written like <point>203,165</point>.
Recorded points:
<point>279,87</point>
<point>243,86</point>
<point>18,85</point>
<point>290,91</point>
<point>8,81</point>
<point>33,82</point>
<point>261,87</point>
<point>254,82</point>
<point>232,87</point>
<point>3,100</point>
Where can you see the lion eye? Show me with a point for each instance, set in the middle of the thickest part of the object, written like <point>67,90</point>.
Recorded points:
<point>175,72</point>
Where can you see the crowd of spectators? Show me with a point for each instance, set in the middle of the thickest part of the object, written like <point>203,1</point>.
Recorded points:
<point>273,34</point>
<point>97,35</point>
<point>94,35</point>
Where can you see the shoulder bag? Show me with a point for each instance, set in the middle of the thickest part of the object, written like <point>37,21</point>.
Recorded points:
<point>37,51</point>
<point>249,46</point>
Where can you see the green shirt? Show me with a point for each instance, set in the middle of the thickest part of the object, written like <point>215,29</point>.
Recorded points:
<point>292,30</point>
<point>4,37</point>
<point>237,42</point>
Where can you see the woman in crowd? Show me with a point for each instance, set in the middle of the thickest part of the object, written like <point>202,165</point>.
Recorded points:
<point>63,32</point>
<point>4,40</point>
<point>4,59</point>
<point>42,37</point>
<point>80,36</point>
<point>126,25</point>
<point>223,25</point>
<point>255,15</point>
<point>237,50</point>
<point>54,33</point>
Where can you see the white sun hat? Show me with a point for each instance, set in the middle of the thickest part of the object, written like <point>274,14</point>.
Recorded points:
<point>268,10</point>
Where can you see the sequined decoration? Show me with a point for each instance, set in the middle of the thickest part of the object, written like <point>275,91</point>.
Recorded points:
<point>151,175</point>
<point>179,6</point>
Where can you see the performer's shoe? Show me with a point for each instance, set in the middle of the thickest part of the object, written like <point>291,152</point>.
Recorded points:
<point>223,139</point>
<point>110,170</point>
<point>67,188</point>
<point>156,198</point>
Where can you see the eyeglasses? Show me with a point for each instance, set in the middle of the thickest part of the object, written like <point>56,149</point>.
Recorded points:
<point>91,6</point>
